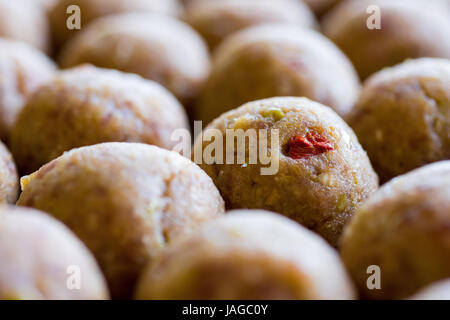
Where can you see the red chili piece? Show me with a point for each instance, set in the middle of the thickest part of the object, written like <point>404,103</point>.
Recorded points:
<point>306,146</point>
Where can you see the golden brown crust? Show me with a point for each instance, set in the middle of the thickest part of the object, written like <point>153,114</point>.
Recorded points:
<point>248,254</point>
<point>403,229</point>
<point>321,192</point>
<point>38,253</point>
<point>87,105</point>
<point>22,70</point>
<point>277,60</point>
<point>156,47</point>
<point>402,117</point>
<point>125,201</point>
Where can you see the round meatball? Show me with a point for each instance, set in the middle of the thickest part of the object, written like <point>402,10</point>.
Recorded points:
<point>93,9</point>
<point>436,291</point>
<point>25,20</point>
<point>125,201</point>
<point>156,47</point>
<point>404,230</point>
<point>402,117</point>
<point>9,180</point>
<point>408,29</point>
<point>277,60</point>
<point>42,259</point>
<point>22,70</point>
<point>247,255</point>
<point>215,20</point>
<point>85,106</point>
<point>317,173</point>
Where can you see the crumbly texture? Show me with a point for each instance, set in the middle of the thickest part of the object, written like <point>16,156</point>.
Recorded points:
<point>125,201</point>
<point>94,9</point>
<point>276,60</point>
<point>159,48</point>
<point>436,291</point>
<point>247,255</point>
<point>215,20</point>
<point>22,70</point>
<point>37,253</point>
<point>409,29</point>
<point>321,192</point>
<point>87,105</point>
<point>9,180</point>
<point>402,117</point>
<point>403,229</point>
<point>24,20</point>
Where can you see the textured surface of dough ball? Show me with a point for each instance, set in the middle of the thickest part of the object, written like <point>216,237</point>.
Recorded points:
<point>93,9</point>
<point>247,255</point>
<point>215,20</point>
<point>403,229</point>
<point>87,105</point>
<point>125,201</point>
<point>37,252</point>
<point>22,70</point>
<point>320,191</point>
<point>158,48</point>
<point>277,60</point>
<point>436,291</point>
<point>409,29</point>
<point>9,180</point>
<point>24,20</point>
<point>402,117</point>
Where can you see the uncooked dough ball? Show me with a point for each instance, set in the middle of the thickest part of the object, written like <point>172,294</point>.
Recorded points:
<point>159,48</point>
<point>125,201</point>
<point>215,20</point>
<point>93,9</point>
<point>408,29</point>
<point>9,180</point>
<point>42,259</point>
<point>24,20</point>
<point>402,229</point>
<point>402,117</point>
<point>247,255</point>
<point>317,173</point>
<point>277,60</point>
<point>87,105</point>
<point>22,70</point>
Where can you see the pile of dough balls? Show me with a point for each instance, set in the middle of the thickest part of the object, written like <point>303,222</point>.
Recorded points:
<point>224,149</point>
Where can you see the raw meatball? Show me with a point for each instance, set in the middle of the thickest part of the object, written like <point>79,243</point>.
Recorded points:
<point>215,20</point>
<point>404,230</point>
<point>436,291</point>
<point>9,180</point>
<point>277,60</point>
<point>42,259</point>
<point>402,117</point>
<point>158,48</point>
<point>409,29</point>
<point>93,9</point>
<point>24,20</point>
<point>247,255</point>
<point>22,70</point>
<point>323,173</point>
<point>85,106</point>
<point>125,201</point>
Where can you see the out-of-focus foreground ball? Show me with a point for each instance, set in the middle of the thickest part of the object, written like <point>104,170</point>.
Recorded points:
<point>39,255</point>
<point>247,255</point>
<point>404,230</point>
<point>125,201</point>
